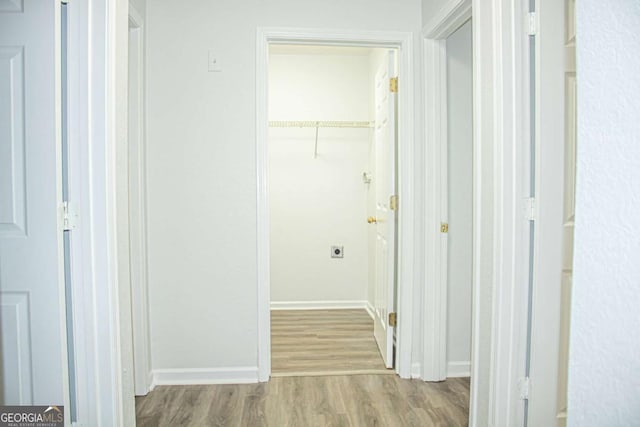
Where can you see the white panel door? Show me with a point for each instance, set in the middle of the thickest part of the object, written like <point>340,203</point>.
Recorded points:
<point>33,362</point>
<point>385,181</point>
<point>570,97</point>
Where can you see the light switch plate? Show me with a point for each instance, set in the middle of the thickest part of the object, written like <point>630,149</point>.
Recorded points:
<point>214,62</point>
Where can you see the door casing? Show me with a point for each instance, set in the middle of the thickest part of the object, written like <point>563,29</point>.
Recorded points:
<point>375,39</point>
<point>500,225</point>
<point>548,256</point>
<point>434,308</point>
<point>97,85</point>
<point>138,206</point>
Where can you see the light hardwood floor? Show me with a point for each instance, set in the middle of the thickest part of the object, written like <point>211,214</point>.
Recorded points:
<point>324,342</point>
<point>315,343</point>
<point>348,400</point>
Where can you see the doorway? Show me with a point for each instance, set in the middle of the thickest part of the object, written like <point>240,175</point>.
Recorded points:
<point>267,38</point>
<point>459,208</point>
<point>451,204</point>
<point>332,166</point>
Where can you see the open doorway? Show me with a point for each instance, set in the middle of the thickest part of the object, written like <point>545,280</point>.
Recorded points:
<point>401,263</point>
<point>332,183</point>
<point>451,202</point>
<point>459,208</point>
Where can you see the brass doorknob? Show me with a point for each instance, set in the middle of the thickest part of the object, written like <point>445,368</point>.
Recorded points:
<point>372,220</point>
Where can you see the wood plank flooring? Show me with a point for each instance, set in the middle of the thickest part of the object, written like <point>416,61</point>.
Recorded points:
<point>324,342</point>
<point>354,400</point>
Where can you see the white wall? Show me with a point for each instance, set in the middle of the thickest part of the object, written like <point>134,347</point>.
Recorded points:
<point>202,167</point>
<point>317,203</point>
<point>139,5</point>
<point>604,380</point>
<point>460,181</point>
<point>430,8</point>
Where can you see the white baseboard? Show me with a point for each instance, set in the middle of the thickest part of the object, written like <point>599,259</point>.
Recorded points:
<point>370,310</point>
<point>458,369</point>
<point>416,371</point>
<point>151,382</point>
<point>243,375</point>
<point>316,305</point>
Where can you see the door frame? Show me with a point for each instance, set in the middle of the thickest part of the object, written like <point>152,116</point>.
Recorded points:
<point>403,41</point>
<point>502,214</point>
<point>434,303</point>
<point>138,208</point>
<point>501,160</point>
<point>547,268</point>
<point>97,84</point>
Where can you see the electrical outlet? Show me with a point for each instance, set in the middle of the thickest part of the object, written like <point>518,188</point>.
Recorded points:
<point>337,251</point>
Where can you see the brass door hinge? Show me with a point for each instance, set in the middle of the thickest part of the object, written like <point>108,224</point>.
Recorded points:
<point>393,319</point>
<point>444,227</point>
<point>393,85</point>
<point>393,203</point>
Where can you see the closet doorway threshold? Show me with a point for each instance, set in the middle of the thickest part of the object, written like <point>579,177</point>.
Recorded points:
<point>324,343</point>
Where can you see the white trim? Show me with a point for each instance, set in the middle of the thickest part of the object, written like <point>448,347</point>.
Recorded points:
<point>334,373</point>
<point>547,268</point>
<point>138,209</point>
<point>318,305</point>
<point>241,375</point>
<point>434,303</point>
<point>459,369</point>
<point>416,371</point>
<point>135,17</point>
<point>434,306</point>
<point>60,282</point>
<point>150,381</point>
<point>92,135</point>
<point>403,41</point>
<point>371,310</point>
<point>82,260</point>
<point>116,104</point>
<point>263,220</point>
<point>501,141</point>
<point>447,20</point>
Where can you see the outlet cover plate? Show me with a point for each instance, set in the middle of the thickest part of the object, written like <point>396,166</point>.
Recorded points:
<point>337,251</point>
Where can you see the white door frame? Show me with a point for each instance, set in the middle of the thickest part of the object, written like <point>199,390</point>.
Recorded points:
<point>434,308</point>
<point>500,223</point>
<point>501,220</point>
<point>138,206</point>
<point>547,268</point>
<point>404,43</point>
<point>97,82</point>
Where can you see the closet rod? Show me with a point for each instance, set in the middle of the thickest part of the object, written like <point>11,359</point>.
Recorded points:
<point>320,124</point>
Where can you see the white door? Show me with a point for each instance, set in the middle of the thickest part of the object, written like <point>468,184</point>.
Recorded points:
<point>385,220</point>
<point>569,205</point>
<point>34,367</point>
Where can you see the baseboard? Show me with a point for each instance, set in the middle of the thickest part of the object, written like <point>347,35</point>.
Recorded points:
<point>243,375</point>
<point>370,310</point>
<point>334,373</point>
<point>416,371</point>
<point>458,369</point>
<point>151,382</point>
<point>317,305</point>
